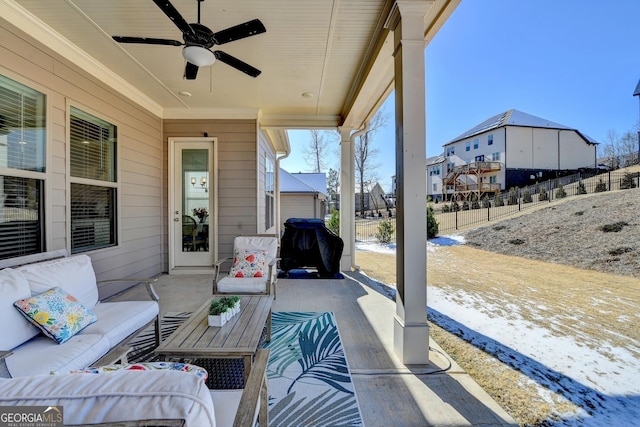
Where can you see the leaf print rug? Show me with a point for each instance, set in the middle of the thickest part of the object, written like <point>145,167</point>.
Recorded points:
<point>308,376</point>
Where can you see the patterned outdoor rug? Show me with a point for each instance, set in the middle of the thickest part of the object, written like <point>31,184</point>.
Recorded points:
<point>309,379</point>
<point>308,376</point>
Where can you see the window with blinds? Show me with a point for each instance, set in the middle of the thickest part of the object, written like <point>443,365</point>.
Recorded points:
<point>93,182</point>
<point>269,206</point>
<point>22,167</point>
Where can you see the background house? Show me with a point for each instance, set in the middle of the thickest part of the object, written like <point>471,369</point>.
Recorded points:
<point>374,199</point>
<point>302,195</point>
<point>435,167</point>
<point>513,149</point>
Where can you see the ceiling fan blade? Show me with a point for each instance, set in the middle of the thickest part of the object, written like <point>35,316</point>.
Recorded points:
<point>241,31</point>
<point>146,40</point>
<point>236,63</point>
<point>190,71</point>
<point>173,14</point>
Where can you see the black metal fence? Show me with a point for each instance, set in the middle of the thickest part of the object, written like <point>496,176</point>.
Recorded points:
<point>452,216</point>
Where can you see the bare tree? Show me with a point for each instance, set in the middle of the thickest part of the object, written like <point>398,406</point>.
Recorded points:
<point>617,148</point>
<point>366,153</point>
<point>316,152</point>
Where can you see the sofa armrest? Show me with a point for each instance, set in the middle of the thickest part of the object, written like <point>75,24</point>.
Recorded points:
<point>148,283</point>
<point>255,394</point>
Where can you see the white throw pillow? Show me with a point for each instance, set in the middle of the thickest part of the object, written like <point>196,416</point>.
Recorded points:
<point>15,328</point>
<point>73,274</point>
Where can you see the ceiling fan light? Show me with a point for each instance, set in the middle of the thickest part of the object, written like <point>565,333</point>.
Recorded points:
<point>198,55</point>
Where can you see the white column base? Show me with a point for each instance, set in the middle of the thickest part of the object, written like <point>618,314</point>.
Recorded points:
<point>411,342</point>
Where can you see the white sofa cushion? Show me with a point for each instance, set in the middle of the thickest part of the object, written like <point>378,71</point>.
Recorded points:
<point>15,328</point>
<point>118,320</point>
<point>116,396</point>
<point>73,274</point>
<point>228,284</point>
<point>41,356</point>
<point>230,401</point>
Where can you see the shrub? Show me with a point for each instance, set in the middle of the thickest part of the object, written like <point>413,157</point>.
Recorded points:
<point>445,208</point>
<point>334,222</point>
<point>486,203</point>
<point>513,197</point>
<point>432,223</point>
<point>543,195</point>
<point>384,234</point>
<point>601,186</point>
<point>497,199</point>
<point>613,228</point>
<point>580,188</point>
<point>560,193</point>
<point>475,202</point>
<point>465,205</point>
<point>455,207</point>
<point>627,181</point>
<point>526,196</point>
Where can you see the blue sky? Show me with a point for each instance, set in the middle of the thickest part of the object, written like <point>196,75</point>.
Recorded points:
<point>574,62</point>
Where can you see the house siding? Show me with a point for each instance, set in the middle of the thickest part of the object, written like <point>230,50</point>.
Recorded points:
<point>139,158</point>
<point>237,201</point>
<point>305,205</point>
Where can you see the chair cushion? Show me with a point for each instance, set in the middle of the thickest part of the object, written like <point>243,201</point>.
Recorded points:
<point>118,320</point>
<point>79,352</point>
<point>125,395</point>
<point>249,263</point>
<point>16,329</point>
<point>266,243</point>
<point>229,284</point>
<point>56,313</point>
<point>73,274</point>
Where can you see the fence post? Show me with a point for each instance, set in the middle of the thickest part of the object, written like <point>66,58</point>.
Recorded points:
<point>489,213</point>
<point>609,173</point>
<point>456,220</point>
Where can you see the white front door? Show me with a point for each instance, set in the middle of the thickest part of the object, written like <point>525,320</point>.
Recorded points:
<point>192,203</point>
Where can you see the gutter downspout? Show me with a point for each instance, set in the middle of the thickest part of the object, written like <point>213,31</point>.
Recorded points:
<point>278,159</point>
<point>352,186</point>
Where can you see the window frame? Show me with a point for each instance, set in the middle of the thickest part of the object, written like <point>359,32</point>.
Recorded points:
<point>39,172</point>
<point>115,185</point>
<point>269,192</point>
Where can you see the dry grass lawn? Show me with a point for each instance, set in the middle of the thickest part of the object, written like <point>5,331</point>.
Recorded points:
<point>583,303</point>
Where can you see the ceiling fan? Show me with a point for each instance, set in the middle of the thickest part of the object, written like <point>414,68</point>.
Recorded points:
<point>198,40</point>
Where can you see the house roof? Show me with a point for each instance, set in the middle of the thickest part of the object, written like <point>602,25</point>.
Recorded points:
<point>434,160</point>
<point>637,91</point>
<point>516,118</point>
<point>303,182</point>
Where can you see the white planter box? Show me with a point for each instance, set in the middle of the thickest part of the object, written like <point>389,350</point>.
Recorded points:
<point>220,319</point>
<point>217,320</point>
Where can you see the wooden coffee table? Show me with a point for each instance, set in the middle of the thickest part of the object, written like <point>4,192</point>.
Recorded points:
<point>238,338</point>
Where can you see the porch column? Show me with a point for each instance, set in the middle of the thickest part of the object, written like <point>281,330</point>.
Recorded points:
<point>411,332</point>
<point>347,196</point>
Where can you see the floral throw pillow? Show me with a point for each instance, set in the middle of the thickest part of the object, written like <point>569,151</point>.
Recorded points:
<point>56,313</point>
<point>146,366</point>
<point>248,263</point>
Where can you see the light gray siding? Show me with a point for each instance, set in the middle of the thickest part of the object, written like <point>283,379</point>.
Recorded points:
<point>237,177</point>
<point>299,205</point>
<point>139,158</point>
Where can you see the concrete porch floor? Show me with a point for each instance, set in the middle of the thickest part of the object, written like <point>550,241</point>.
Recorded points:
<point>389,393</point>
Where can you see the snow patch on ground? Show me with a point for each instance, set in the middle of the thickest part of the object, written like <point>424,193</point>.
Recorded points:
<point>602,379</point>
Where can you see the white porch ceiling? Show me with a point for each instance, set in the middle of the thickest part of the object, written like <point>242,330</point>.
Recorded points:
<point>337,50</point>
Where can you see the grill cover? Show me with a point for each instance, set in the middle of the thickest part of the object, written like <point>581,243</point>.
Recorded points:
<point>307,242</point>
